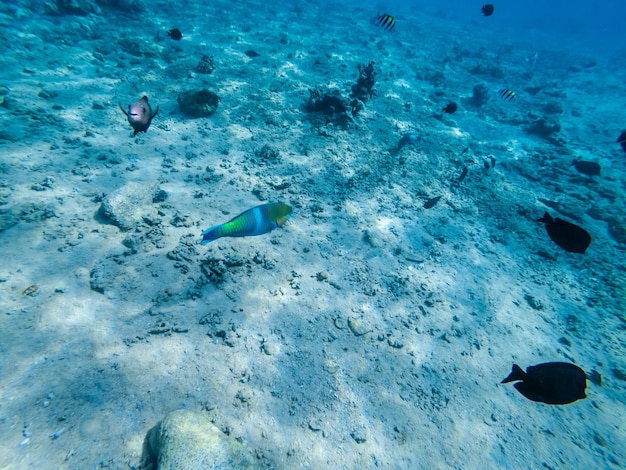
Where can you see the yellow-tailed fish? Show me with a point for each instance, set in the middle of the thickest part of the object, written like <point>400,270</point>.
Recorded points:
<point>256,221</point>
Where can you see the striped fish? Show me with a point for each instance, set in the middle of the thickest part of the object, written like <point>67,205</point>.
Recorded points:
<point>387,22</point>
<point>507,94</point>
<point>255,221</point>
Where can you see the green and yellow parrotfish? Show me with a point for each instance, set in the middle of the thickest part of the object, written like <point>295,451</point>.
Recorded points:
<point>256,221</point>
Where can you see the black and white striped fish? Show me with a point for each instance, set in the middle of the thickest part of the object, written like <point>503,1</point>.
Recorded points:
<point>508,95</point>
<point>387,22</point>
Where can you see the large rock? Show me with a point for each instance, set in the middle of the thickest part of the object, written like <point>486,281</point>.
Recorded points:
<point>187,440</point>
<point>129,205</point>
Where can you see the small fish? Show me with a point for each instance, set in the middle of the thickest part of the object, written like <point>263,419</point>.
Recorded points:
<point>486,164</point>
<point>175,34</point>
<point>568,236</point>
<point>139,114</point>
<point>493,162</point>
<point>407,139</point>
<point>508,95</point>
<point>432,202</point>
<point>554,383</point>
<point>255,221</point>
<point>622,140</point>
<point>450,108</point>
<point>251,53</point>
<point>587,168</point>
<point>487,9</point>
<point>463,174</point>
<point>387,22</point>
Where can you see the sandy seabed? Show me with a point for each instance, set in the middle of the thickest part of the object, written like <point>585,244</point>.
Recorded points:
<point>367,332</point>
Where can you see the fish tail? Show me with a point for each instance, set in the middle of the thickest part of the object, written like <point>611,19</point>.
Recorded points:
<point>210,234</point>
<point>516,374</point>
<point>546,219</point>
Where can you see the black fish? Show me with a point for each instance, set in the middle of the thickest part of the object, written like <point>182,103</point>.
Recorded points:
<point>587,168</point>
<point>487,9</point>
<point>568,236</point>
<point>486,163</point>
<point>463,174</point>
<point>432,202</point>
<point>493,162</point>
<point>622,140</point>
<point>450,108</point>
<point>386,22</point>
<point>554,383</point>
<point>507,94</point>
<point>175,34</point>
<point>251,53</point>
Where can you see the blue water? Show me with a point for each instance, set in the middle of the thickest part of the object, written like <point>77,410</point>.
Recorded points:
<point>373,329</point>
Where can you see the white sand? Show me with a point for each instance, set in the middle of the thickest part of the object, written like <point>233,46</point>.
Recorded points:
<point>368,331</point>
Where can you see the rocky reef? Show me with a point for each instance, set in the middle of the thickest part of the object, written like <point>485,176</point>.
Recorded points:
<point>202,103</point>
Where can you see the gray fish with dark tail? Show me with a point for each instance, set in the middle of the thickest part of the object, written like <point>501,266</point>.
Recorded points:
<point>139,114</point>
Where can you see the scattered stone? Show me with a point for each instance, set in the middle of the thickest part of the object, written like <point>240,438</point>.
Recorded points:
<point>206,65</point>
<point>127,206</point>
<point>322,276</point>
<point>187,439</point>
<point>358,327</point>
<point>480,95</point>
<point>359,436</point>
<point>534,303</point>
<point>202,103</point>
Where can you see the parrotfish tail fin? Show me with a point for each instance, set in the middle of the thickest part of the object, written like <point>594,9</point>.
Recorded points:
<point>546,219</point>
<point>516,374</point>
<point>122,108</point>
<point>209,234</point>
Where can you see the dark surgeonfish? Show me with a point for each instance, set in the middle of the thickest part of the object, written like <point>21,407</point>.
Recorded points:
<point>622,140</point>
<point>554,383</point>
<point>387,22</point>
<point>508,95</point>
<point>587,168</point>
<point>139,114</point>
<point>255,221</point>
<point>450,108</point>
<point>175,34</point>
<point>487,9</point>
<point>568,236</point>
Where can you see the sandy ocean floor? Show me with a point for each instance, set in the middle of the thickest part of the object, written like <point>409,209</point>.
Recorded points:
<point>368,331</point>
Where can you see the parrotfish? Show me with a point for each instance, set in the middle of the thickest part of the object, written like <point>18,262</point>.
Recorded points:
<point>255,221</point>
<point>407,139</point>
<point>139,114</point>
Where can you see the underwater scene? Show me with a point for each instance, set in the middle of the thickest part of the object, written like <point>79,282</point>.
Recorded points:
<point>312,234</point>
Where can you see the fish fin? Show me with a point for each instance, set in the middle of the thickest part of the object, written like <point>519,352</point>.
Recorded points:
<point>154,113</point>
<point>144,97</point>
<point>122,108</point>
<point>546,219</point>
<point>280,221</point>
<point>516,374</point>
<point>207,236</point>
